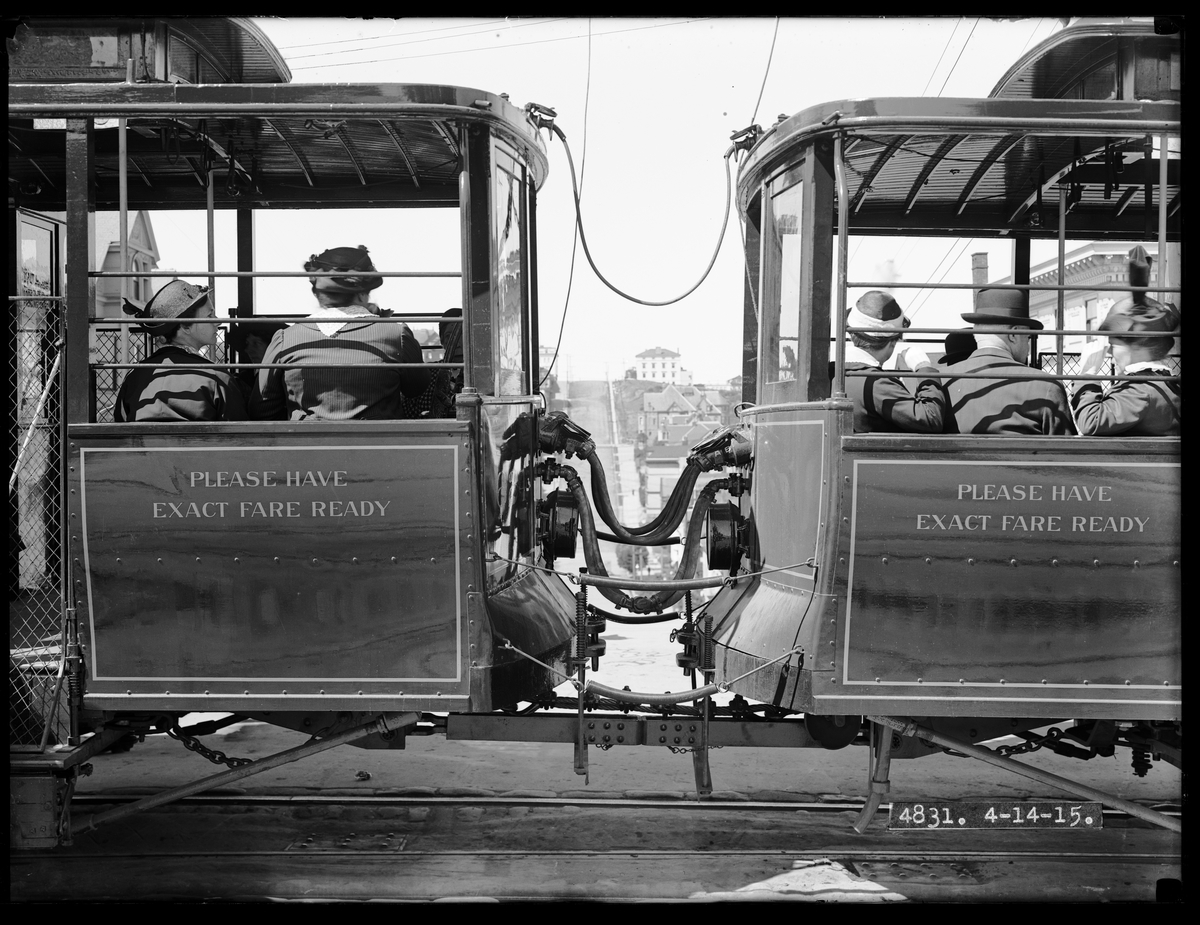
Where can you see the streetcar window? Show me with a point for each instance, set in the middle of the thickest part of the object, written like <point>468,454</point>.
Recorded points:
<point>781,292</point>
<point>507,235</point>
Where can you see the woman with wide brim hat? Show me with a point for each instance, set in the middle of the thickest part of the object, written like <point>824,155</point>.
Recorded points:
<point>168,394</point>
<point>1133,405</point>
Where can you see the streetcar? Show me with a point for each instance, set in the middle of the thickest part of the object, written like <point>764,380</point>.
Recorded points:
<point>366,580</point>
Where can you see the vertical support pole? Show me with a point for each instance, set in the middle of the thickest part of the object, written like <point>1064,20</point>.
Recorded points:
<point>700,763</point>
<point>1163,261</point>
<point>531,275</point>
<point>245,284</point>
<point>1060,312</point>
<point>80,261</point>
<point>212,245</point>
<point>123,200</point>
<point>843,218</point>
<point>580,662</point>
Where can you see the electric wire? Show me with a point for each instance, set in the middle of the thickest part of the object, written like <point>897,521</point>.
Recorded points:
<point>587,251</point>
<point>942,55</point>
<point>959,58</point>
<point>461,51</point>
<point>403,38</point>
<point>587,97</point>
<point>770,55</point>
<point>929,292</point>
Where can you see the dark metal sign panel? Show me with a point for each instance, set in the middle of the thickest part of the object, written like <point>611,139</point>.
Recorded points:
<point>277,571</point>
<point>1031,581</point>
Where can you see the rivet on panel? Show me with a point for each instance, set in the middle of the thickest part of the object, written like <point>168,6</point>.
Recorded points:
<point>928,561</point>
<point>1085,681</point>
<point>1043,680</point>
<point>1012,562</point>
<point>354,559</point>
<point>394,560</point>
<point>1001,680</point>
<point>277,560</point>
<point>197,558</point>
<point>159,561</point>
<point>1095,563</point>
<point>1054,563</point>
<point>1127,683</point>
<point>315,561</point>
<point>970,562</point>
<point>920,680</point>
<point>962,680</point>
<point>876,680</point>
<point>1137,564</point>
<point>119,560</point>
<point>235,559</point>
<point>884,560</point>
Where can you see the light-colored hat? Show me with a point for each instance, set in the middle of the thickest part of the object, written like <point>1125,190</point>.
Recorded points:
<point>173,300</point>
<point>879,311</point>
<point>355,259</point>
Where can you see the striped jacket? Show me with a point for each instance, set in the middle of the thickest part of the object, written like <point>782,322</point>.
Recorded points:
<point>165,394</point>
<point>1021,400</point>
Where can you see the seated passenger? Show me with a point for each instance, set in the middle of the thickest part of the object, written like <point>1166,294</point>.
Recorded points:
<point>185,394</point>
<point>250,341</point>
<point>959,346</point>
<point>1132,406</point>
<point>883,404</point>
<point>341,333</point>
<point>1021,400</point>
<point>450,336</point>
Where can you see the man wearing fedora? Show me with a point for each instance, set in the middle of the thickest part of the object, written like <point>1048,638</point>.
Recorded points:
<point>344,334</point>
<point>1019,399</point>
<point>1133,405</point>
<point>167,393</point>
<point>882,404</point>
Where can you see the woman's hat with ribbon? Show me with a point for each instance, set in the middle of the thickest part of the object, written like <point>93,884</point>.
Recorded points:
<point>173,300</point>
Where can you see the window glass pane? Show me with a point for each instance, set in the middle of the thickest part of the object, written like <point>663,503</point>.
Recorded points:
<point>782,300</point>
<point>506,211</point>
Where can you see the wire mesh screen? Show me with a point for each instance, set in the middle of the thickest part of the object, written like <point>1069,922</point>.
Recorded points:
<point>1049,362</point>
<point>37,695</point>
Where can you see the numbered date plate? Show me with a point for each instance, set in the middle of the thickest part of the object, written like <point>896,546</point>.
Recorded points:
<point>1012,815</point>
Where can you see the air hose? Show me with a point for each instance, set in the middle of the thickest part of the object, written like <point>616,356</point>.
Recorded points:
<point>655,603</point>
<point>658,531</point>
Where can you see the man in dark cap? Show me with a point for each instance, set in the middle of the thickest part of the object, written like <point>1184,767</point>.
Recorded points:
<point>250,341</point>
<point>1133,406</point>
<point>1019,400</point>
<point>168,394</point>
<point>343,332</point>
<point>882,404</point>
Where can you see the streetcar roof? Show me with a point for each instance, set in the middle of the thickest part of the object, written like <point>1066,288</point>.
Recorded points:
<point>293,144</point>
<point>974,166</point>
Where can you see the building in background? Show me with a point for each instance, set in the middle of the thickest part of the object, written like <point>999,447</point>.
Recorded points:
<point>658,364</point>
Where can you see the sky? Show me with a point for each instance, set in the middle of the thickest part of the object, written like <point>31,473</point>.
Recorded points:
<point>648,107</point>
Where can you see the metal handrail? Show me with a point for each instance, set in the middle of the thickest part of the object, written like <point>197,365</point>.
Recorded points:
<point>256,274</point>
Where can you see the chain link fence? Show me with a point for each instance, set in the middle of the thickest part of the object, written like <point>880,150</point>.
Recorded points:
<point>37,685</point>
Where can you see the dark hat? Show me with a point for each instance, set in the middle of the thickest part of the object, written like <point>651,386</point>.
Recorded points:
<point>174,299</point>
<point>1139,312</point>
<point>344,258</point>
<point>959,346</point>
<point>879,311</point>
<point>1003,306</point>
<point>240,330</point>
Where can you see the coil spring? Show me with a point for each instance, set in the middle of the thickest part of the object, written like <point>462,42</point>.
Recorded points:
<point>1141,762</point>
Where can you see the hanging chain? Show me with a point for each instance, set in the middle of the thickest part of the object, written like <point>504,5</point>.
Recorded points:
<point>192,744</point>
<point>1030,746</point>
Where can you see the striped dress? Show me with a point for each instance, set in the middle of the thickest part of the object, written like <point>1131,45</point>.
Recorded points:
<point>167,394</point>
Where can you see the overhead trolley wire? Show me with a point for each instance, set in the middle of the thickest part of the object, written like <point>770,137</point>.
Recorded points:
<point>372,38</point>
<point>960,54</point>
<point>587,96</point>
<point>437,54</point>
<point>945,49</point>
<point>770,55</point>
<point>397,44</point>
